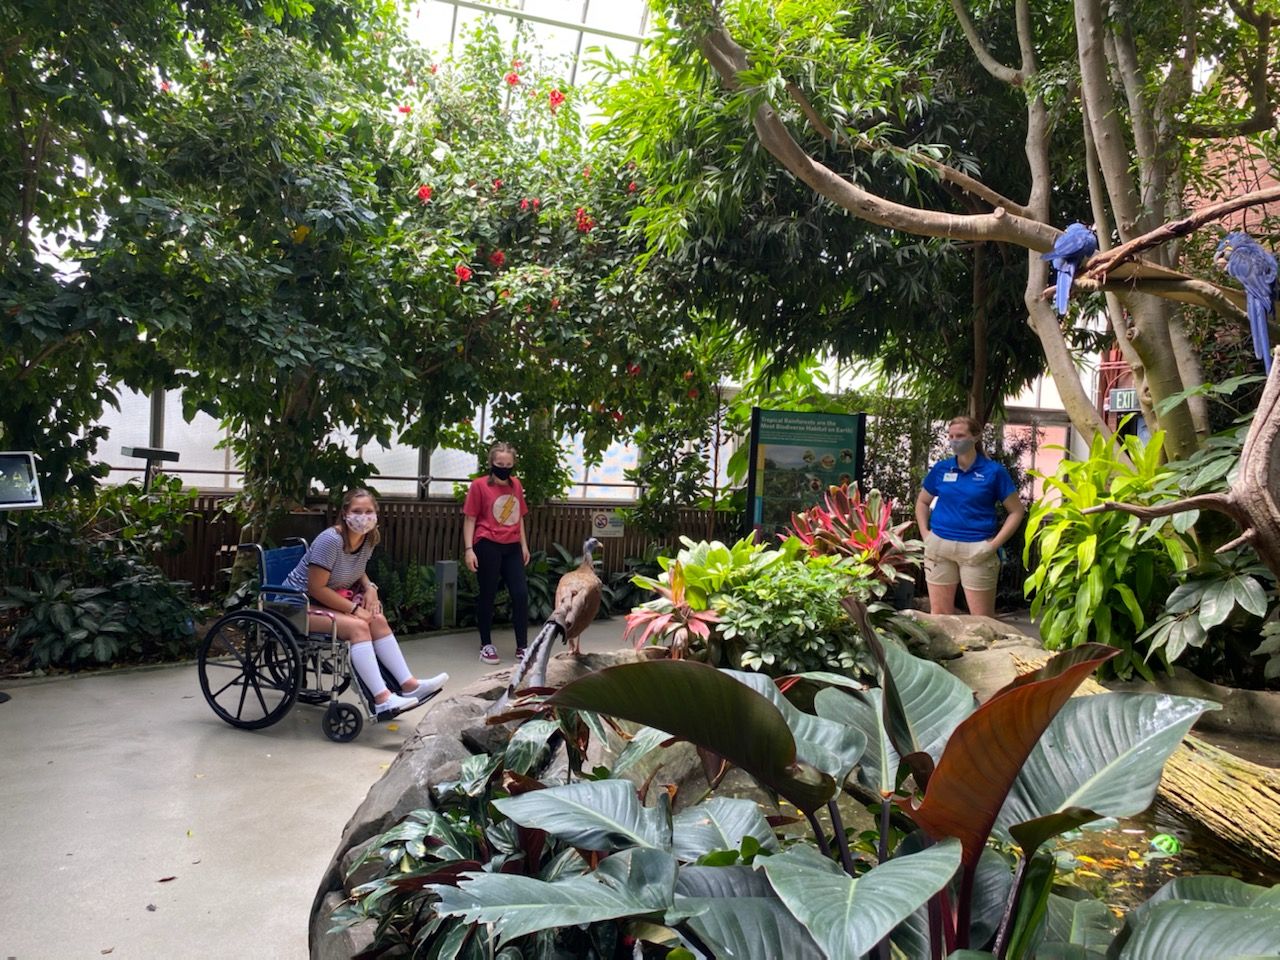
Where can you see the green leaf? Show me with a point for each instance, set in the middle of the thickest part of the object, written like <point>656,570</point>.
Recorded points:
<point>601,815</point>
<point>1180,928</point>
<point>848,917</point>
<point>933,703</point>
<point>721,823</point>
<point>1102,756</point>
<point>632,883</point>
<point>985,753</point>
<point>834,748</point>
<point>1086,925</point>
<point>732,720</point>
<point>1216,603</point>
<point>1250,595</point>
<point>529,744</point>
<point>736,912</point>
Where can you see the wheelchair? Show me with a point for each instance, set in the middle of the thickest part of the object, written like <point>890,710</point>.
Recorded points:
<point>258,661</point>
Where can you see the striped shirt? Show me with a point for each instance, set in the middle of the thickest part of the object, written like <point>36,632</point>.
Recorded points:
<point>328,551</point>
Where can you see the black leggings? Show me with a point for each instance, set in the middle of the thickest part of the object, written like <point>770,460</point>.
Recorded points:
<point>501,561</point>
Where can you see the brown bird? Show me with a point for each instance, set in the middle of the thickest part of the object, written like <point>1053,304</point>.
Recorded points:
<point>577,603</point>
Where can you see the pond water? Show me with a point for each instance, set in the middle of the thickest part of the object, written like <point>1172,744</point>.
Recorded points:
<point>1123,862</point>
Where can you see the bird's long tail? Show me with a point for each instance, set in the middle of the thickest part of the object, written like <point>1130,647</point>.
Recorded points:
<point>1257,311</point>
<point>534,664</point>
<point>1062,297</point>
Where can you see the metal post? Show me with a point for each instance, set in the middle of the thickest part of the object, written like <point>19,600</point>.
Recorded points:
<point>446,611</point>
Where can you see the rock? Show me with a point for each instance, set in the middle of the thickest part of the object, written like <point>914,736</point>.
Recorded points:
<point>952,635</point>
<point>486,739</point>
<point>986,671</point>
<point>344,944</point>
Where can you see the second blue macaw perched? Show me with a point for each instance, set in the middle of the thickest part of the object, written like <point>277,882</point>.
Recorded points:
<point>1249,262</point>
<point>1074,246</point>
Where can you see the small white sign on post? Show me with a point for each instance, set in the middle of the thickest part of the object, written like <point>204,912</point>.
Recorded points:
<point>606,524</point>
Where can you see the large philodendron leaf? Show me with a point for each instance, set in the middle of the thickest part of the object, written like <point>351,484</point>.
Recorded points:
<point>1102,756</point>
<point>1206,931</point>
<point>710,709</point>
<point>719,824</point>
<point>834,748</point>
<point>987,750</point>
<point>637,882</point>
<point>1077,929</point>
<point>1223,891</point>
<point>736,912</point>
<point>848,917</point>
<point>601,815</point>
<point>932,703</point>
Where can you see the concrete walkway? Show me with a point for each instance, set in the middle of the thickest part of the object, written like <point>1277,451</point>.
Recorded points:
<point>137,825</point>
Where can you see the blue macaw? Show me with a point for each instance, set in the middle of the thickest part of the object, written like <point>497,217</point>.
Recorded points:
<point>1076,245</point>
<point>1248,261</point>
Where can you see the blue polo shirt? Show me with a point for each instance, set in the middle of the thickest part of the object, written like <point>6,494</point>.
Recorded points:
<point>965,501</point>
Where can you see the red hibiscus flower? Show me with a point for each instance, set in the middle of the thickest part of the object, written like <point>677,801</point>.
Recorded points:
<point>424,193</point>
<point>463,273</point>
<point>583,220</point>
<point>405,109</point>
<point>555,98</point>
<point>693,393</point>
<point>633,369</point>
<point>631,187</point>
<point>497,258</point>
<point>536,203</point>
<point>164,86</point>
<point>524,204</point>
<point>497,183</point>
<point>617,416</point>
<point>512,78</point>
<point>434,68</point>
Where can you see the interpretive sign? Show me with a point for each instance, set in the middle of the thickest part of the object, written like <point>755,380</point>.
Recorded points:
<point>795,457</point>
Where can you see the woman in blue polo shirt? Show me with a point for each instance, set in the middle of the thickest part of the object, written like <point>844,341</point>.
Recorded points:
<point>962,533</point>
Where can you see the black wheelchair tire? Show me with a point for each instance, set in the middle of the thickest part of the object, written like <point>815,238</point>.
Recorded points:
<point>269,666</point>
<point>342,722</point>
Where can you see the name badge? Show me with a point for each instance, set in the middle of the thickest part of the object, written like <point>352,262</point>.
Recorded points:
<point>950,477</point>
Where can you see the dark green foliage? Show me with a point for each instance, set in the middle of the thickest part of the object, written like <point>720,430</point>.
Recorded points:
<point>408,594</point>
<point>84,587</point>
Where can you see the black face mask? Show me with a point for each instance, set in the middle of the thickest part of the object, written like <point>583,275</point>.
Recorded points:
<point>501,473</point>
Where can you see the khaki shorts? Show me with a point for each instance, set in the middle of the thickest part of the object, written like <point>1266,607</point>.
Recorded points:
<point>948,562</point>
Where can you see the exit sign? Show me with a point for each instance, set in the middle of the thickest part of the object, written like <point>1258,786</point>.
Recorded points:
<point>1124,399</point>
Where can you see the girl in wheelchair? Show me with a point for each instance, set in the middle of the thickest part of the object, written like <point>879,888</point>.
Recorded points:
<point>333,574</point>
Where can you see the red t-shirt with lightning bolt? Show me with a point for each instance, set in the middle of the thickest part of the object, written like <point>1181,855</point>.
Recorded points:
<point>497,508</point>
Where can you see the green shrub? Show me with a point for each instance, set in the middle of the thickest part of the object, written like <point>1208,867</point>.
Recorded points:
<point>408,594</point>
<point>791,620</point>
<point>1103,577</point>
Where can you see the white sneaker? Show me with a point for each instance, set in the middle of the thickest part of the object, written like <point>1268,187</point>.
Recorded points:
<point>395,702</point>
<point>428,688</point>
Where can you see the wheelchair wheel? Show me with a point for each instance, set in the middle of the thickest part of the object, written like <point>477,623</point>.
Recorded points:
<point>342,722</point>
<point>250,669</point>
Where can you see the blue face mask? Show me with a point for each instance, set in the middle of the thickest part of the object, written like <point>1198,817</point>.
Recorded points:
<point>962,446</point>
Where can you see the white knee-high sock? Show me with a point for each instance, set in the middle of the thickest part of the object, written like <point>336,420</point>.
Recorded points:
<point>388,651</point>
<point>365,662</point>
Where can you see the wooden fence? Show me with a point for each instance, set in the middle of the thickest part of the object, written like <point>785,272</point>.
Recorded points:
<point>424,531</point>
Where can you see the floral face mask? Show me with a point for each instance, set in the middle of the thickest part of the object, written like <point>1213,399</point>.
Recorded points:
<point>361,522</point>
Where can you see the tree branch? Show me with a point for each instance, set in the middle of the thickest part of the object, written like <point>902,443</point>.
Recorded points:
<point>945,173</point>
<point>1183,289</point>
<point>1218,502</point>
<point>1104,263</point>
<point>728,59</point>
<point>989,63</point>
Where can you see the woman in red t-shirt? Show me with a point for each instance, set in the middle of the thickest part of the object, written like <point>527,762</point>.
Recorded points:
<point>497,549</point>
